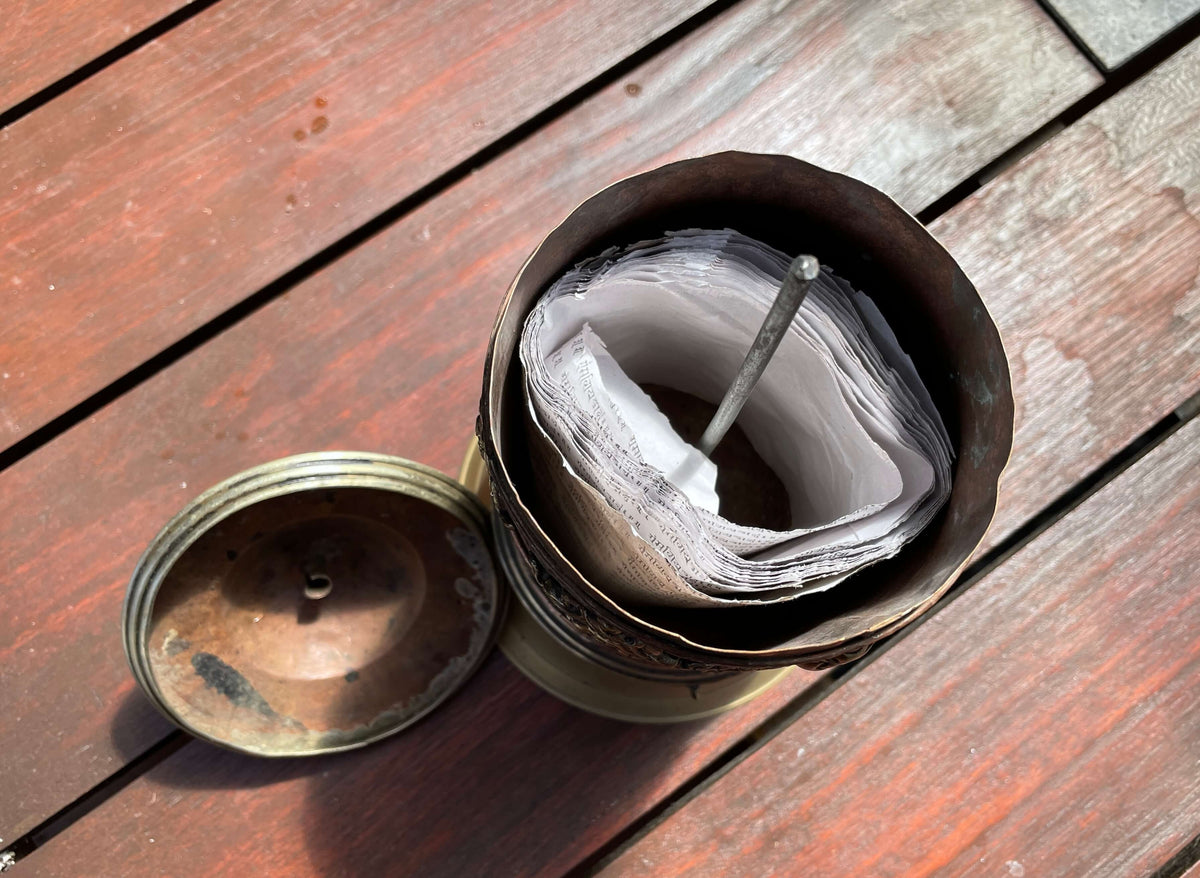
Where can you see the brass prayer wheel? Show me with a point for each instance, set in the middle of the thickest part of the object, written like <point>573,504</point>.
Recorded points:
<point>938,318</point>
<point>324,601</point>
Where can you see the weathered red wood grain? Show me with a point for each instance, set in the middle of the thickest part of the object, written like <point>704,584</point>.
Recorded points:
<point>460,795</point>
<point>1045,723</point>
<point>174,183</point>
<point>1088,256</point>
<point>44,40</point>
<point>384,350</point>
<point>1116,30</point>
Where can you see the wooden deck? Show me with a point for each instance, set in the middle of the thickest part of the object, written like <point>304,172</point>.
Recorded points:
<point>232,231</point>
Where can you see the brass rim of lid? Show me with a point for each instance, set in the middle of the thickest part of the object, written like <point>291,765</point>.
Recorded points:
<point>276,478</point>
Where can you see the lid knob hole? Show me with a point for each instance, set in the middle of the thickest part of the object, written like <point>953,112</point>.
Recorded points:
<point>317,586</point>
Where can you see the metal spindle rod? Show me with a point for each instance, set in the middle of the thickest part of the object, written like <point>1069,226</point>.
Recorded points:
<point>800,275</point>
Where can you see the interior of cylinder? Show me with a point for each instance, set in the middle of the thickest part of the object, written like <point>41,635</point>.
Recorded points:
<point>750,492</point>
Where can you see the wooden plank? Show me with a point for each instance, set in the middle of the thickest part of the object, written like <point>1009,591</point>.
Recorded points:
<point>46,40</point>
<point>1043,724</point>
<point>1088,253</point>
<point>1116,30</point>
<point>385,349</point>
<point>462,794</point>
<point>190,174</point>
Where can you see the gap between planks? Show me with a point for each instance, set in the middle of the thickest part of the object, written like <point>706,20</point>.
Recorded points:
<point>1115,81</point>
<point>822,688</point>
<point>1183,864</point>
<point>1076,40</point>
<point>92,799</point>
<point>106,59</point>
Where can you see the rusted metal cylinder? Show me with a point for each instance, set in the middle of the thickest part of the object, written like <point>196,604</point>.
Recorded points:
<point>938,317</point>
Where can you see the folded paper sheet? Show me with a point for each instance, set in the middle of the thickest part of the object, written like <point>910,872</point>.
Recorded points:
<point>840,415</point>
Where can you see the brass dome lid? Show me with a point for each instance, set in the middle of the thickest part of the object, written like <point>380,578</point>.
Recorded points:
<point>313,604</point>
